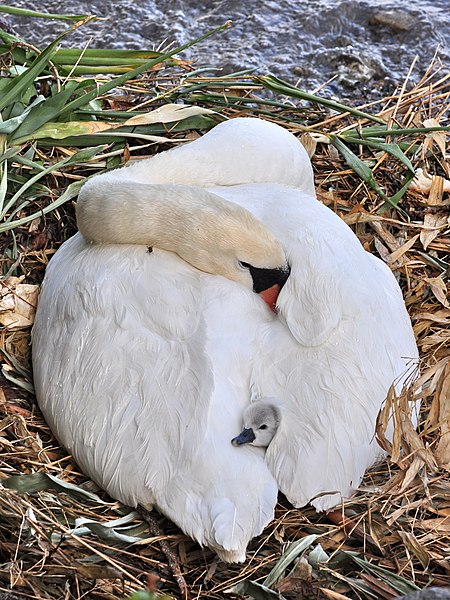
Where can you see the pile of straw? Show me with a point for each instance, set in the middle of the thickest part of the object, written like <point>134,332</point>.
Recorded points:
<point>392,537</point>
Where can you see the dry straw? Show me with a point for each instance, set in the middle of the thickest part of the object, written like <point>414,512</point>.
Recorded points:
<point>62,538</point>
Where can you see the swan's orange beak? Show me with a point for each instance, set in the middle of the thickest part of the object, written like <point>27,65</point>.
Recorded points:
<point>270,296</point>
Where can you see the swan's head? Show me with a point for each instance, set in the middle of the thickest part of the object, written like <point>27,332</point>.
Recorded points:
<point>261,421</point>
<point>214,235</point>
<point>231,242</point>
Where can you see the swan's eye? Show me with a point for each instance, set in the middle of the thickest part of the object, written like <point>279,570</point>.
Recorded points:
<point>243,265</point>
<point>263,427</point>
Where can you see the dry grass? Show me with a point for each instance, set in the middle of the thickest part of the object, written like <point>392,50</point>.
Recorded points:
<point>399,522</point>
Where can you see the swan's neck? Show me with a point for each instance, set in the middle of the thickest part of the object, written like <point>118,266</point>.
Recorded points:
<point>122,212</point>
<point>206,231</point>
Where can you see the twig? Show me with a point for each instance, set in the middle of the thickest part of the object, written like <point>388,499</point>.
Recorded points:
<point>167,551</point>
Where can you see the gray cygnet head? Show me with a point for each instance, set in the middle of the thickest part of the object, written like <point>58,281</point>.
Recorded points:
<point>261,420</point>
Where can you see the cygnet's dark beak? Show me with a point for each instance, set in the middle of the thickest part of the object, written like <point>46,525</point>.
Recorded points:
<point>245,437</point>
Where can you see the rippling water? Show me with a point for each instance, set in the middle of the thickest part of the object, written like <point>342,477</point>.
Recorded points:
<point>359,49</point>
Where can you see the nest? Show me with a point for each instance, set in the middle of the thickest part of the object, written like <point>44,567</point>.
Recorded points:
<point>60,537</point>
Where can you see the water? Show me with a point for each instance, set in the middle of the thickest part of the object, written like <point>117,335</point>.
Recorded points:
<point>358,49</point>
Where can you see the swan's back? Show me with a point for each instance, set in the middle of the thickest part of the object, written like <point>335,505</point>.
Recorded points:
<point>235,152</point>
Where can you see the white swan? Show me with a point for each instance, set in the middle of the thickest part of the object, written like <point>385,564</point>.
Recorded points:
<point>145,361</point>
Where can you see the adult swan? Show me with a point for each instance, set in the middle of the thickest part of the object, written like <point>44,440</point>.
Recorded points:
<point>150,340</point>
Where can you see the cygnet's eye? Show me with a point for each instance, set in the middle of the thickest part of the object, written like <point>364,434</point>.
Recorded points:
<point>263,427</point>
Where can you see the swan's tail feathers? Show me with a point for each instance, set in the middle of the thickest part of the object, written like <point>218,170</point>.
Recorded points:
<point>233,528</point>
<point>229,538</point>
<point>224,515</point>
<point>239,506</point>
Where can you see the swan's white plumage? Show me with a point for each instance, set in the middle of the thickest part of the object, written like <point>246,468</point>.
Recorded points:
<point>124,376</point>
<point>143,364</point>
<point>342,338</point>
<point>253,152</point>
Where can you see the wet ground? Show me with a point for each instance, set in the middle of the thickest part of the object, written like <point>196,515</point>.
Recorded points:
<point>358,49</point>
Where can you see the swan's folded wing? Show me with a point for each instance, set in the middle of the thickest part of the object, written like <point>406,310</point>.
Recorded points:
<point>125,347</point>
<point>119,365</point>
<point>342,339</point>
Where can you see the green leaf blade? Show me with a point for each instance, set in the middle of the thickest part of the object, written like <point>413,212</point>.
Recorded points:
<point>24,12</point>
<point>357,165</point>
